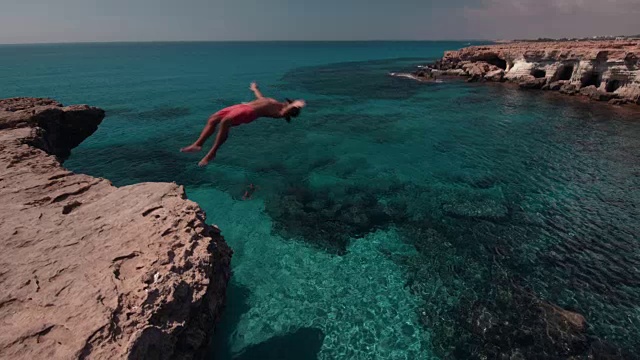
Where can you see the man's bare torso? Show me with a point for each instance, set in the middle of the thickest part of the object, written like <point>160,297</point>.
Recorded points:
<point>267,107</point>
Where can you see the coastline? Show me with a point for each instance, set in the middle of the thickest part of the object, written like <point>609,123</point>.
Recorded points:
<point>91,270</point>
<point>606,70</point>
<point>474,174</point>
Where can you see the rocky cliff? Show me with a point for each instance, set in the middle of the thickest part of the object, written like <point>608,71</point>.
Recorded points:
<point>91,271</point>
<point>602,70</point>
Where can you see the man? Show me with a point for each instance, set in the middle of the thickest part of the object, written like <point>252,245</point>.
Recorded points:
<point>242,114</point>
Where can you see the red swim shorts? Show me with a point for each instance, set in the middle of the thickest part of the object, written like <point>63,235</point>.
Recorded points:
<point>239,114</point>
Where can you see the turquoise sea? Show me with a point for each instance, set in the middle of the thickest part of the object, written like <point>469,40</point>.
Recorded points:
<point>393,219</point>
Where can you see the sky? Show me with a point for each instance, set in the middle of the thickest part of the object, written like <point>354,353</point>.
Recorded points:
<point>37,21</point>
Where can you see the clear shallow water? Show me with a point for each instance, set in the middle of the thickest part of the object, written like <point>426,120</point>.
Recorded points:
<point>393,220</point>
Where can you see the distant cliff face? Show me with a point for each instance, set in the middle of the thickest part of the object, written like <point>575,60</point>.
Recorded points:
<point>603,70</point>
<point>91,271</point>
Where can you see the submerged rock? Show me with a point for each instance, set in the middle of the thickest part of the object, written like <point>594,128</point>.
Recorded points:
<point>304,343</point>
<point>94,271</point>
<point>487,209</point>
<point>529,328</point>
<point>327,219</point>
<point>512,323</point>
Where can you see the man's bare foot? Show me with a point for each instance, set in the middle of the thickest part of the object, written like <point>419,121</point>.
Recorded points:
<point>191,149</point>
<point>205,160</point>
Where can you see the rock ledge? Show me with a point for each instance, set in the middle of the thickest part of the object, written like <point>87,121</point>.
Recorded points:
<point>91,271</point>
<point>607,70</point>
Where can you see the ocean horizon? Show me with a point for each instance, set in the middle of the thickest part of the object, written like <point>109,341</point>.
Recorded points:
<point>393,219</point>
<point>243,41</point>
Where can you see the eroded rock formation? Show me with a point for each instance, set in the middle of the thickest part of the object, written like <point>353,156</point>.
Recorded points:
<point>91,271</point>
<point>609,70</point>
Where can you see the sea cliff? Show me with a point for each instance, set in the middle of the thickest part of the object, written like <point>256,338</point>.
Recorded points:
<point>606,70</point>
<point>89,270</point>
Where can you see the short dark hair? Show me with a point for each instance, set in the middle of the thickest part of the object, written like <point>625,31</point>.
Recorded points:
<point>294,112</point>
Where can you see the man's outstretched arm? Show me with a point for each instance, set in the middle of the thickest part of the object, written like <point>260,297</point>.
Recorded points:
<point>256,91</point>
<point>296,104</point>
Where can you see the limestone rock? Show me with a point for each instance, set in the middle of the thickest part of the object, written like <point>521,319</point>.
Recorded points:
<point>475,78</point>
<point>613,67</point>
<point>556,85</point>
<point>532,83</point>
<point>618,101</point>
<point>495,75</point>
<point>596,94</point>
<point>93,271</point>
<point>453,72</point>
<point>478,69</point>
<point>569,89</point>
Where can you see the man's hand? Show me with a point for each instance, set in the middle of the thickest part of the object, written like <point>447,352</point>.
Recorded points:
<point>254,87</point>
<point>299,104</point>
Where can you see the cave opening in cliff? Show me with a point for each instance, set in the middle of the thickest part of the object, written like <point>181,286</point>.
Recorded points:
<point>613,85</point>
<point>538,73</point>
<point>565,72</point>
<point>591,78</point>
<point>496,61</point>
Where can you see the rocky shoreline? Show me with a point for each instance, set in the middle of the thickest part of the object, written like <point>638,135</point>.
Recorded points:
<point>91,271</point>
<point>601,70</point>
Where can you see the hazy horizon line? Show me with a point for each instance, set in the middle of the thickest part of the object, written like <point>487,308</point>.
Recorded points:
<point>241,41</point>
<point>282,41</point>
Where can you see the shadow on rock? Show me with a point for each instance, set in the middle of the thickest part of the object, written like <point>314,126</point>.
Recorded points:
<point>303,344</point>
<point>134,163</point>
<point>236,305</point>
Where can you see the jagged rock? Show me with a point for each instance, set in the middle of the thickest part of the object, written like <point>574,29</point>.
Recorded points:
<point>532,83</point>
<point>474,78</point>
<point>495,75</point>
<point>93,271</point>
<point>556,85</point>
<point>570,89</point>
<point>454,72</point>
<point>612,66</point>
<point>618,101</point>
<point>477,69</point>
<point>595,94</point>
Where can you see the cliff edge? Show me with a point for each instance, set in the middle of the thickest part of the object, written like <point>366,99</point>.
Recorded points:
<point>607,70</point>
<point>91,271</point>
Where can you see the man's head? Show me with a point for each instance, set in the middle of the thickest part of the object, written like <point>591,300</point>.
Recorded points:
<point>293,112</point>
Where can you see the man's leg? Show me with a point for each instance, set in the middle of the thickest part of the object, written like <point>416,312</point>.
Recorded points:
<point>223,134</point>
<point>208,130</point>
